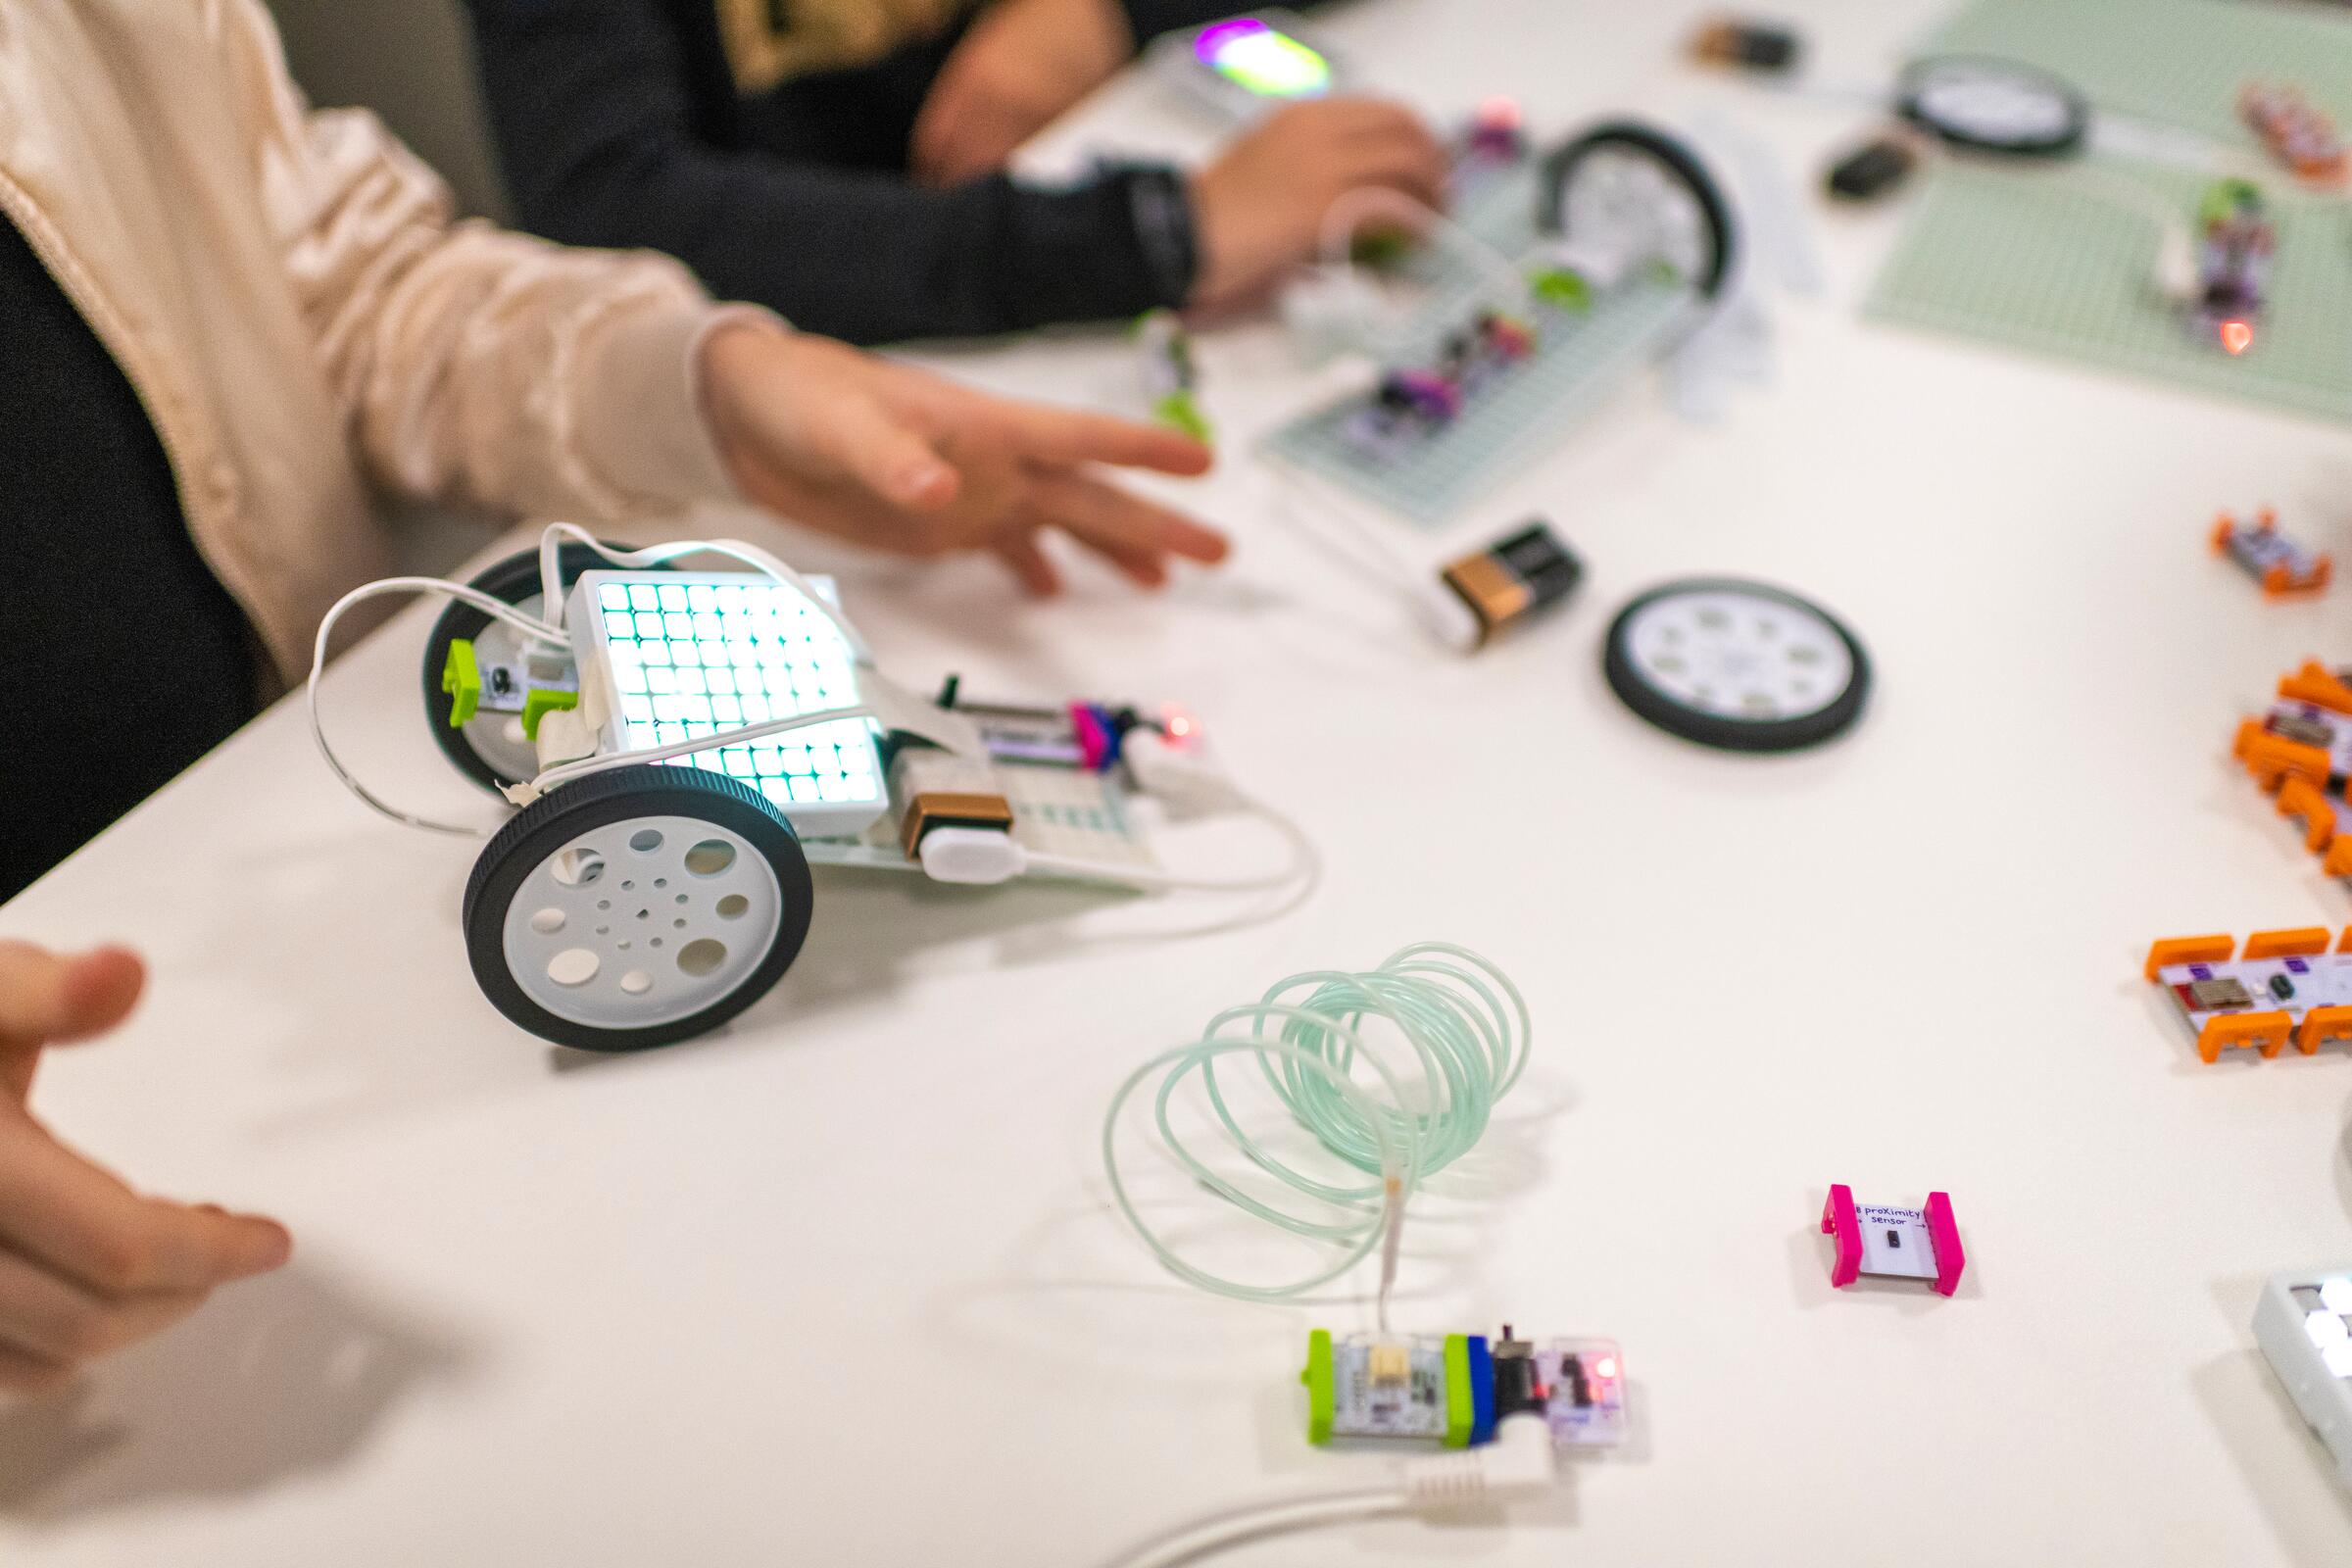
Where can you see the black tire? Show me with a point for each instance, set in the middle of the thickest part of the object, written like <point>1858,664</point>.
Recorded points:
<point>554,819</point>
<point>1720,731</point>
<point>509,581</point>
<point>1678,159</point>
<point>2068,139</point>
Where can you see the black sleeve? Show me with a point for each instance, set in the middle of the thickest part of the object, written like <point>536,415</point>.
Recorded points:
<point>593,106</point>
<point>1148,18</point>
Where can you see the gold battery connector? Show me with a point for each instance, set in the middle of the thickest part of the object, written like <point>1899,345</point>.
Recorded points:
<point>941,808</point>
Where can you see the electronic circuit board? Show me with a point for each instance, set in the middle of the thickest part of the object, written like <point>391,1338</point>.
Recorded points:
<point>1453,1388</point>
<point>1073,814</point>
<point>1579,358</point>
<point>2284,987</point>
<point>2269,557</point>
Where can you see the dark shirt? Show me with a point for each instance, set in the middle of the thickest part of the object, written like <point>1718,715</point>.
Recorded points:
<point>122,660</point>
<point>618,123</point>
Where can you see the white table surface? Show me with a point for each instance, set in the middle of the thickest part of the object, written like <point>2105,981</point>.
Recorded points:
<point>841,1286</point>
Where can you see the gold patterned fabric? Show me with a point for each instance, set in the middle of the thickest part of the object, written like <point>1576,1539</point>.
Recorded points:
<point>772,41</point>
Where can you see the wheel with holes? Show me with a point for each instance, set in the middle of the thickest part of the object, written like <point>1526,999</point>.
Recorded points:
<point>1988,105</point>
<point>490,747</point>
<point>1625,185</point>
<point>1736,665</point>
<point>637,908</point>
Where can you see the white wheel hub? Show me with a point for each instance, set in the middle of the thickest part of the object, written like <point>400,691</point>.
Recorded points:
<point>642,921</point>
<point>1626,203</point>
<point>1738,655</point>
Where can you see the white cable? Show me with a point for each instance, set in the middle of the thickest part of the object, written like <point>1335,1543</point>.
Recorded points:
<point>1444,616</point>
<point>565,772</point>
<point>1520,1462</point>
<point>1221,1527</point>
<point>551,572</point>
<point>496,609</point>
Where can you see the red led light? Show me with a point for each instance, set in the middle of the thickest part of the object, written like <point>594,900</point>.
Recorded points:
<point>1605,1367</point>
<point>2237,336</point>
<point>1499,113</point>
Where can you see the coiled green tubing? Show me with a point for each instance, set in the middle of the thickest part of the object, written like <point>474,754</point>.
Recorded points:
<point>1468,1034</point>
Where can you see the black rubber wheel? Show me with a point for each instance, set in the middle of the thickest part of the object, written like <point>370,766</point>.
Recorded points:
<point>513,581</point>
<point>2063,135</point>
<point>1667,151</point>
<point>597,807</point>
<point>1785,628</point>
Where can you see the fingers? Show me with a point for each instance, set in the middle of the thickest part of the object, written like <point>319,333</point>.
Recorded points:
<point>45,997</point>
<point>65,1324</point>
<point>1067,437</point>
<point>931,148</point>
<point>1401,156</point>
<point>858,437</point>
<point>58,1210</point>
<point>1029,564</point>
<point>1134,534</point>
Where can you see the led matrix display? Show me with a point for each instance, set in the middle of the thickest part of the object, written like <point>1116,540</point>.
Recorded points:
<point>690,655</point>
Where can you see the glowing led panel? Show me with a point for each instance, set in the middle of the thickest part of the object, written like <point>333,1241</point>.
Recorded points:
<point>1252,55</point>
<point>689,655</point>
<point>2303,1322</point>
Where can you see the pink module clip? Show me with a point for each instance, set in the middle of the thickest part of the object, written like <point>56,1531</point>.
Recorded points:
<point>1096,745</point>
<point>1893,1242</point>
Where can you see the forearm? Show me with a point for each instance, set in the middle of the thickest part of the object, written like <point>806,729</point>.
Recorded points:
<point>874,259</point>
<point>1148,18</point>
<point>471,365</point>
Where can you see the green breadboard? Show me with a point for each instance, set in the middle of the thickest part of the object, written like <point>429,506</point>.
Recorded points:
<point>2176,62</point>
<point>2060,260</point>
<point>2050,261</point>
<point>1578,361</point>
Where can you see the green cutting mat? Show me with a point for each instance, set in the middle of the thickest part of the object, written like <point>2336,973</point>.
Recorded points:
<point>2049,261</point>
<point>2175,62</point>
<point>2059,260</point>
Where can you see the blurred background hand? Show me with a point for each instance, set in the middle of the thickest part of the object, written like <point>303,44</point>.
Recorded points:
<point>1021,65</point>
<point>1259,210</point>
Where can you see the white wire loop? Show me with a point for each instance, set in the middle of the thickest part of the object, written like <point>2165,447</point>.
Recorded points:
<point>1466,1036</point>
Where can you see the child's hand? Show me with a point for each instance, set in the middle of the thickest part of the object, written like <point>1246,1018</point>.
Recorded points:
<point>899,461</point>
<point>86,1265</point>
<point>1258,211</point>
<point>1022,66</point>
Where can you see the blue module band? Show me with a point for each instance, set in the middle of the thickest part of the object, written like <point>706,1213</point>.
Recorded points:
<point>1481,1392</point>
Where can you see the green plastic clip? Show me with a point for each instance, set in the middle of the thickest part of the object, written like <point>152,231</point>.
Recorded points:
<point>1561,289</point>
<point>1179,413</point>
<point>537,704</point>
<point>1460,1411</point>
<point>461,679</point>
<point>1318,1380</point>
